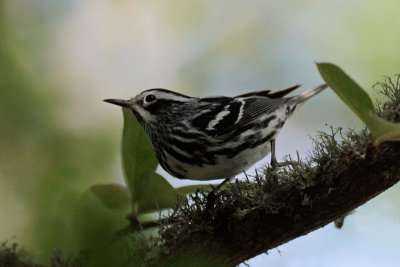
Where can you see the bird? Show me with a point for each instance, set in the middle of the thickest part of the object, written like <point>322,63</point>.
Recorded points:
<point>214,137</point>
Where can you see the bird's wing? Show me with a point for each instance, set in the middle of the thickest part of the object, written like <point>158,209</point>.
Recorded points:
<point>255,107</point>
<point>268,93</point>
<point>232,114</point>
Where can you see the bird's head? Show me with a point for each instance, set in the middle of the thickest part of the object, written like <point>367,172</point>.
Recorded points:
<point>154,105</point>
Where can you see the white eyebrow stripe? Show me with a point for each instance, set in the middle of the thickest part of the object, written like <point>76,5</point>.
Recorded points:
<point>169,96</point>
<point>218,118</point>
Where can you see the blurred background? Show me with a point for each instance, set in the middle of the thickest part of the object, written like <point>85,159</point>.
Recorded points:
<point>59,59</point>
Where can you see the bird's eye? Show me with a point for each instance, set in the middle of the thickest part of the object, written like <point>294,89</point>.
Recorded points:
<point>150,98</point>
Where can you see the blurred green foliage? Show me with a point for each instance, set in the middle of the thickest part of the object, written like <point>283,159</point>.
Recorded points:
<point>49,168</point>
<point>46,167</point>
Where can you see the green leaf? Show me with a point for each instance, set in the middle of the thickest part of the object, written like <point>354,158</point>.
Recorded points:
<point>138,156</point>
<point>149,190</point>
<point>95,227</point>
<point>383,130</point>
<point>192,188</point>
<point>359,102</point>
<point>113,196</point>
<point>157,193</point>
<point>347,89</point>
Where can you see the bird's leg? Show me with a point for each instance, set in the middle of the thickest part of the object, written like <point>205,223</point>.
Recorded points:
<point>213,194</point>
<point>216,189</point>
<point>274,162</point>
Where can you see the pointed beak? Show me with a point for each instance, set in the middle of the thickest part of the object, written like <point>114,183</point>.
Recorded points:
<point>119,102</point>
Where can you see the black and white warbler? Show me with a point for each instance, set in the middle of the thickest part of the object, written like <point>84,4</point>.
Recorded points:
<point>213,137</point>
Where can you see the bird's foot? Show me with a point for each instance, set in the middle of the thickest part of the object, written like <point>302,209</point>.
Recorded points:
<point>275,164</point>
<point>211,197</point>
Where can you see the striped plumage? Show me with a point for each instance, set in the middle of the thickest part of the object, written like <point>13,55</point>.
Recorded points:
<point>212,137</point>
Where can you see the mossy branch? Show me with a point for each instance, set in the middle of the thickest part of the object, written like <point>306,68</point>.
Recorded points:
<point>342,172</point>
<point>251,217</point>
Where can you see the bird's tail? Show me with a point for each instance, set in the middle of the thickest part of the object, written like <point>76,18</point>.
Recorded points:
<point>310,93</point>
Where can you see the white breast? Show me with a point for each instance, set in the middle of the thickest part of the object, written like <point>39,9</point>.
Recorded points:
<point>226,167</point>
